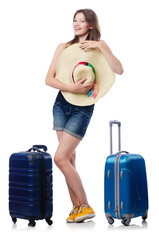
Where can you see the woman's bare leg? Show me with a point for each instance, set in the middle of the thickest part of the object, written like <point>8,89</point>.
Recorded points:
<point>73,197</point>
<point>67,146</point>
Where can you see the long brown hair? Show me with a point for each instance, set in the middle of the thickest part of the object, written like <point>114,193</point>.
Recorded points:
<point>92,19</point>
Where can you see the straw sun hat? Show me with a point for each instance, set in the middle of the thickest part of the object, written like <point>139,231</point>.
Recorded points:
<point>74,64</point>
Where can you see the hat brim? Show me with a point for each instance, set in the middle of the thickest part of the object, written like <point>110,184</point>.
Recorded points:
<point>66,63</point>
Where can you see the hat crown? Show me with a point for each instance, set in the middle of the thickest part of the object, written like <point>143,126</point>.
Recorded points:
<point>83,71</point>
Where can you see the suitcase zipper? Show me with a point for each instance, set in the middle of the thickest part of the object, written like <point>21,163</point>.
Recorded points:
<point>42,185</point>
<point>117,186</point>
<point>117,183</point>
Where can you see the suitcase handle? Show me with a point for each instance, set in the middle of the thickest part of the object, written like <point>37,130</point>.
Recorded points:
<point>34,149</point>
<point>40,147</point>
<point>119,136</point>
<point>122,152</point>
<point>114,122</point>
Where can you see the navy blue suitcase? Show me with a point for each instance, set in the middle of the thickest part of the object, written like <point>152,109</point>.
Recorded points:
<point>30,185</point>
<point>125,185</point>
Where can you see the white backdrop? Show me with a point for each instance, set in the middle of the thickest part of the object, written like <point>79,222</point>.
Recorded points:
<point>30,33</point>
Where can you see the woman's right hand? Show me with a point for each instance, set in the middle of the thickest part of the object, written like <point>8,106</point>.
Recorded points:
<point>81,86</point>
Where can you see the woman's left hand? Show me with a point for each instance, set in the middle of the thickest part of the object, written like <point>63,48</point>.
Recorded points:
<point>89,44</point>
<point>105,50</point>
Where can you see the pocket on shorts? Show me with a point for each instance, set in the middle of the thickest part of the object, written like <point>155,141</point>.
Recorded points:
<point>56,104</point>
<point>85,112</point>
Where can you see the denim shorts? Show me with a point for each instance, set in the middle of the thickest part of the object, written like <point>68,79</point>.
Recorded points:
<point>71,119</point>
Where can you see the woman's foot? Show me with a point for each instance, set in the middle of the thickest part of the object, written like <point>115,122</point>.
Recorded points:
<point>73,214</point>
<point>84,213</point>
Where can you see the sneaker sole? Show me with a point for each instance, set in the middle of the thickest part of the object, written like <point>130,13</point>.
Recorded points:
<point>84,217</point>
<point>70,221</point>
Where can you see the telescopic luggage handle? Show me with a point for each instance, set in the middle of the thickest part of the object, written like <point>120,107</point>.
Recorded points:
<point>119,135</point>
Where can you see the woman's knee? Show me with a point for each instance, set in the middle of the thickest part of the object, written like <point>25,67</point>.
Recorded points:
<point>72,158</point>
<point>60,160</point>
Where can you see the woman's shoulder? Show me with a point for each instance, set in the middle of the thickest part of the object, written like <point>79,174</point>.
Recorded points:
<point>59,49</point>
<point>102,42</point>
<point>61,46</point>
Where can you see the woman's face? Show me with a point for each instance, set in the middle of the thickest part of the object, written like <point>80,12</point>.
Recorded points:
<point>80,25</point>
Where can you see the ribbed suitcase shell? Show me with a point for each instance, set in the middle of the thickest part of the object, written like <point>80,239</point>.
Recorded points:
<point>30,186</point>
<point>130,198</point>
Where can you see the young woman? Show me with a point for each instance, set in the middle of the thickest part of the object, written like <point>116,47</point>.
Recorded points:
<point>87,33</point>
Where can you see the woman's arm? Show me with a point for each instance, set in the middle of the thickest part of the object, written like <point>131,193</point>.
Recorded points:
<point>114,63</point>
<point>51,81</point>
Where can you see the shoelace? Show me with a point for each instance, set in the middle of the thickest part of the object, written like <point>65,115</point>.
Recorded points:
<point>73,210</point>
<point>82,206</point>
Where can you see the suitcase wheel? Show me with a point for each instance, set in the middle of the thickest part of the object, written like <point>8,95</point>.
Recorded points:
<point>126,221</point>
<point>144,217</point>
<point>49,221</point>
<point>14,219</point>
<point>31,223</point>
<point>110,220</point>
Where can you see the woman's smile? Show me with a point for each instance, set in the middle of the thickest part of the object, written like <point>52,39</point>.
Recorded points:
<point>77,29</point>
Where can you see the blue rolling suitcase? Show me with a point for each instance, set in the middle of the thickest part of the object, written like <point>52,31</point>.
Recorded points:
<point>125,185</point>
<point>30,185</point>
